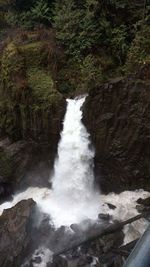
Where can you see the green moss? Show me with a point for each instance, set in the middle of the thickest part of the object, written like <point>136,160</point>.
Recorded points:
<point>33,54</point>
<point>12,60</point>
<point>45,96</point>
<point>41,83</point>
<point>28,97</point>
<point>12,66</point>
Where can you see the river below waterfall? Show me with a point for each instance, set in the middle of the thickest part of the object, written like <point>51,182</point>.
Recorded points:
<point>73,198</point>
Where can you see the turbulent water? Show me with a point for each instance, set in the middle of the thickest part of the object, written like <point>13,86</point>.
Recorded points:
<point>73,197</point>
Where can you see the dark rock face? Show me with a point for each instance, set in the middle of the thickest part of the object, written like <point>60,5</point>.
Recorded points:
<point>15,226</point>
<point>6,191</point>
<point>117,115</point>
<point>144,206</point>
<point>28,162</point>
<point>24,164</point>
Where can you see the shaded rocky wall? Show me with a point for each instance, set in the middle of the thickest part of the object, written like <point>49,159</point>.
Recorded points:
<point>31,110</point>
<point>117,115</point>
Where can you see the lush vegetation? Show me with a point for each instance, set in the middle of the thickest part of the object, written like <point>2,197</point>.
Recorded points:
<point>100,39</point>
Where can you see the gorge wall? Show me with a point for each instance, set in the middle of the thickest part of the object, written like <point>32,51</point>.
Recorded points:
<point>117,115</point>
<point>31,108</point>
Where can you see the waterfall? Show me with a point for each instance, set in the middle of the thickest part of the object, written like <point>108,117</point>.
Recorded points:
<point>73,197</point>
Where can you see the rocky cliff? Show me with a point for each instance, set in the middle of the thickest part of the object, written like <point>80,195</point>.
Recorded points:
<point>31,108</point>
<point>30,105</point>
<point>117,115</point>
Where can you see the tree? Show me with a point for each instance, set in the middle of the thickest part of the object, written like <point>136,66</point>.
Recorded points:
<point>40,12</point>
<point>76,26</point>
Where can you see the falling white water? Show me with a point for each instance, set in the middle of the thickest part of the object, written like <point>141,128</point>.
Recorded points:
<point>73,197</point>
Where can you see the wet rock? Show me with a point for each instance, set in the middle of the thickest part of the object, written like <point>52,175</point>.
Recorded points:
<point>111,206</point>
<point>144,202</point>
<point>6,191</point>
<point>15,228</point>
<point>24,164</point>
<point>76,228</point>
<point>59,261</point>
<point>117,117</point>
<point>104,217</point>
<point>142,208</point>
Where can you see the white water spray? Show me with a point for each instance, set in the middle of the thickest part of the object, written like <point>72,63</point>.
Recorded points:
<point>73,197</point>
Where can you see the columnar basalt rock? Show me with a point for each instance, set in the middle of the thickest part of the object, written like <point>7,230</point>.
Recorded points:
<point>117,115</point>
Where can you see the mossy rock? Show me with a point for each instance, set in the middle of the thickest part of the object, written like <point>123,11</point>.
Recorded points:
<point>43,88</point>
<point>30,105</point>
<point>41,82</point>
<point>10,119</point>
<point>6,165</point>
<point>12,61</point>
<point>13,74</point>
<point>33,54</point>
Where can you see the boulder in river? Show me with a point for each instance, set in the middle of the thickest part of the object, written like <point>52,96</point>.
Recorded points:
<point>15,227</point>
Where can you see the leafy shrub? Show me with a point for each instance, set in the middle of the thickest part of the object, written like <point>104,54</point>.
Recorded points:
<point>91,73</point>
<point>119,44</point>
<point>38,13</point>
<point>139,52</point>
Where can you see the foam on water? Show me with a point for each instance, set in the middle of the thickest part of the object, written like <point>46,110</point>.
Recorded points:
<point>125,203</point>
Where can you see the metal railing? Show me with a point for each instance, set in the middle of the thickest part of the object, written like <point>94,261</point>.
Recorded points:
<point>140,256</point>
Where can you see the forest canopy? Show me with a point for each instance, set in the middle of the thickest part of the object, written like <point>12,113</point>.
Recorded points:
<point>100,38</point>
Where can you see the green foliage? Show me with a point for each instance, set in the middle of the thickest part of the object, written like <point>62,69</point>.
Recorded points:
<point>40,12</point>
<point>96,36</point>
<point>139,52</point>
<point>28,96</point>
<point>41,83</point>
<point>119,43</point>
<point>12,64</point>
<point>75,26</point>
<point>33,49</point>
<point>93,28</point>
<point>91,73</point>
<point>34,13</point>
<point>80,27</point>
<point>23,20</point>
<point>66,24</point>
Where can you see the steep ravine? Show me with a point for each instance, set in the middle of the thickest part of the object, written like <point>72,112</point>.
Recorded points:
<point>117,115</point>
<point>41,224</point>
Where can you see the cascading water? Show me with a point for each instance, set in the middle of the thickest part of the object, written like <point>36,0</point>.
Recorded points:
<point>73,197</point>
